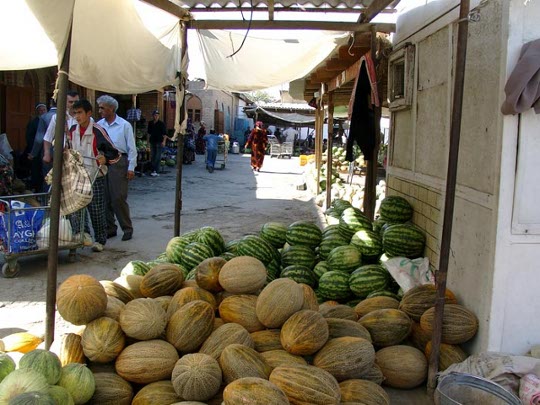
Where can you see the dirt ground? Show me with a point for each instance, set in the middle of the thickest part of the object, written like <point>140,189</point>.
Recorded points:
<point>234,200</point>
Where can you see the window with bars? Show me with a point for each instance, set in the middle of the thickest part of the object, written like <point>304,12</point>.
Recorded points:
<point>401,78</point>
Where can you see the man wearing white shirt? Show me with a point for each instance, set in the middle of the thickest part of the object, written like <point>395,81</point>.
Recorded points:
<point>72,97</point>
<point>121,133</point>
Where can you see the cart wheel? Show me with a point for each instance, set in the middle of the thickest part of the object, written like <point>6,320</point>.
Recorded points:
<point>10,271</point>
<point>222,166</point>
<point>72,257</point>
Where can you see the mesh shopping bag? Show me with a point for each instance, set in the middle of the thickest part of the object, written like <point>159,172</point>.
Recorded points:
<point>76,183</point>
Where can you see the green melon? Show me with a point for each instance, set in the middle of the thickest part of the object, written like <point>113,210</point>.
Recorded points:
<point>7,365</point>
<point>334,285</point>
<point>44,362</point>
<point>321,268</point>
<point>367,279</point>
<point>304,233</point>
<point>396,209</point>
<point>369,243</point>
<point>211,237</point>
<point>344,258</point>
<point>298,255</point>
<point>329,243</point>
<point>194,253</point>
<point>256,247</point>
<point>404,240</point>
<point>352,220</point>
<point>274,233</point>
<point>135,267</point>
<point>300,274</point>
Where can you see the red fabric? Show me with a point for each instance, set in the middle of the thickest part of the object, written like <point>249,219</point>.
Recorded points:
<point>257,141</point>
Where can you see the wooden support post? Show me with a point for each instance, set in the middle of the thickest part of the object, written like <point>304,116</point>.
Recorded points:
<point>329,149</point>
<point>318,118</point>
<point>451,178</point>
<point>54,214</point>
<point>180,142</point>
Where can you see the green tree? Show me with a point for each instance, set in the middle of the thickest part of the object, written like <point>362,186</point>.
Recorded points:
<point>261,95</point>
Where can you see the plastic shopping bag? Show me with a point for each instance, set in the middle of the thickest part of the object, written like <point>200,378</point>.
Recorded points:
<point>18,228</point>
<point>410,273</point>
<point>65,233</point>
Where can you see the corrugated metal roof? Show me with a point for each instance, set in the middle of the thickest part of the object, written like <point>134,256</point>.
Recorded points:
<point>286,106</point>
<point>193,4</point>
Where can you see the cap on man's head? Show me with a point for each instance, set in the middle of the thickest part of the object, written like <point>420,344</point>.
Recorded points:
<point>39,104</point>
<point>155,112</point>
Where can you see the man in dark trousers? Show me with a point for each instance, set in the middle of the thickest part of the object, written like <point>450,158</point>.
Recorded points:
<point>36,174</point>
<point>157,135</point>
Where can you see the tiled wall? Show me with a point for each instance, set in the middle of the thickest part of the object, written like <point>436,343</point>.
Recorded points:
<point>427,203</point>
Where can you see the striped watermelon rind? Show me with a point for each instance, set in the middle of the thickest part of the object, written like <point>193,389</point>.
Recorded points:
<point>274,233</point>
<point>195,253</point>
<point>330,243</point>
<point>211,237</point>
<point>256,247</point>
<point>367,279</point>
<point>321,268</point>
<point>344,258</point>
<point>175,247</point>
<point>273,270</point>
<point>384,293</point>
<point>135,267</point>
<point>404,240</point>
<point>330,230</point>
<point>369,243</point>
<point>232,246</point>
<point>340,205</point>
<point>192,274</point>
<point>353,220</point>
<point>298,255</point>
<point>227,255</point>
<point>396,209</point>
<point>334,285</point>
<point>303,233</point>
<point>300,274</point>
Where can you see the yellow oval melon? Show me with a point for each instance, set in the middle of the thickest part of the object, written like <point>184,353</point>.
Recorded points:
<point>253,390</point>
<point>157,393</point>
<point>345,357</point>
<point>363,392</point>
<point>266,340</point>
<point>163,279</point>
<point>22,342</point>
<point>207,274</point>
<point>243,275</point>
<point>196,377</point>
<point>80,299</point>
<point>116,290</point>
<point>143,319</point>
<point>147,362</point>
<point>114,307</point>
<point>111,389</point>
<point>189,294</point>
<point>224,336</point>
<point>279,358</point>
<point>364,307</point>
<point>189,327</point>
<point>419,299</point>
<point>310,299</point>
<point>278,301</point>
<point>403,367</point>
<point>307,385</point>
<point>387,327</point>
<point>304,333</point>
<point>448,355</point>
<point>132,282</point>
<point>240,309</point>
<point>238,361</point>
<point>459,325</point>
<point>338,311</point>
<point>103,340</point>
<point>343,327</point>
<point>69,349</point>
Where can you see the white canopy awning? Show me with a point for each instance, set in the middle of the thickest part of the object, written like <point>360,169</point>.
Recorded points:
<point>120,46</point>
<point>266,59</point>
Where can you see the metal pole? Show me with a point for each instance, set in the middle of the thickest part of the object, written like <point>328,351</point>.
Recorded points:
<point>52,263</point>
<point>453,153</point>
<point>329,149</point>
<point>180,145</point>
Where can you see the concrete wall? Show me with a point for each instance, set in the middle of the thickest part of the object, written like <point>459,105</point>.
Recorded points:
<point>419,152</point>
<point>212,100</point>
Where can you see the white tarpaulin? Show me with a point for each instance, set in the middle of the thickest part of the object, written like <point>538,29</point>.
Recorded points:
<point>267,58</point>
<point>120,46</point>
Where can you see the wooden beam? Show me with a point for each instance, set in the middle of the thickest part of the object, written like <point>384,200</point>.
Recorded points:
<point>329,149</point>
<point>289,25</point>
<point>344,77</point>
<point>290,9</point>
<point>271,10</point>
<point>170,8</point>
<point>374,8</point>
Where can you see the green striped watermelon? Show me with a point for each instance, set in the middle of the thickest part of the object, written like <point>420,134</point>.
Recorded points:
<point>344,258</point>
<point>211,237</point>
<point>334,285</point>
<point>227,255</point>
<point>332,215</point>
<point>192,274</point>
<point>330,230</point>
<point>384,293</point>
<point>303,233</point>
<point>135,267</point>
<point>378,224</point>
<point>194,253</point>
<point>232,245</point>
<point>352,220</point>
<point>330,243</point>
<point>256,247</point>
<point>396,209</point>
<point>404,240</point>
<point>175,247</point>
<point>369,244</point>
<point>321,268</point>
<point>298,255</point>
<point>273,270</point>
<point>300,274</point>
<point>274,233</point>
<point>191,235</point>
<point>162,258</point>
<point>369,278</point>
<point>340,205</point>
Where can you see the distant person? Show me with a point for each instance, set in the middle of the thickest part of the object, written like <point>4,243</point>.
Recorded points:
<point>199,141</point>
<point>277,134</point>
<point>36,165</point>
<point>290,134</point>
<point>189,143</point>
<point>211,149</point>
<point>157,136</point>
<point>121,133</point>
<point>257,141</point>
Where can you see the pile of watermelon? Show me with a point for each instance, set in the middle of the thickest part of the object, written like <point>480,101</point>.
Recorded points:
<point>343,262</point>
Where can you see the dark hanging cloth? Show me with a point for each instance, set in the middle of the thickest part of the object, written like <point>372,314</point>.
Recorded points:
<point>362,114</point>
